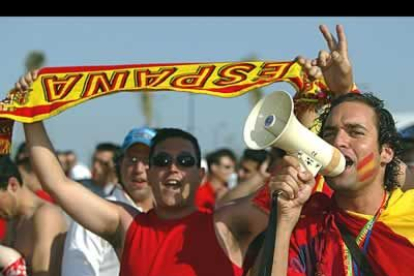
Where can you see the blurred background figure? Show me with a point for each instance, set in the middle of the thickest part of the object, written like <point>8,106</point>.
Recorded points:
<point>72,167</point>
<point>221,165</point>
<point>250,163</point>
<point>62,157</point>
<point>252,174</point>
<point>407,137</point>
<point>103,177</point>
<point>85,253</point>
<point>76,170</point>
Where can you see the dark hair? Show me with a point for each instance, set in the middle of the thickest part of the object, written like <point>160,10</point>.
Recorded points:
<point>215,156</point>
<point>108,147</point>
<point>387,132</point>
<point>21,152</point>
<point>258,156</point>
<point>21,158</point>
<point>7,170</point>
<point>167,133</point>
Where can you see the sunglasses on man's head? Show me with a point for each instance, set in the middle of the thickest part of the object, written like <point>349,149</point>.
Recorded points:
<point>163,159</point>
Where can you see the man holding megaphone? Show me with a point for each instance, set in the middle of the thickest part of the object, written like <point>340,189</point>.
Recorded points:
<point>367,227</point>
<point>318,238</point>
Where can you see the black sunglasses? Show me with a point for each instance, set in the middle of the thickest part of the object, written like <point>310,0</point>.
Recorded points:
<point>164,160</point>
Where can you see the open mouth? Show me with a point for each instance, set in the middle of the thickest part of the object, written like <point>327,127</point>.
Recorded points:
<point>139,181</point>
<point>348,162</point>
<point>172,183</point>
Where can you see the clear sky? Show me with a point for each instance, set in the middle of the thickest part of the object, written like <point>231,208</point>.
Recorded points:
<point>381,49</point>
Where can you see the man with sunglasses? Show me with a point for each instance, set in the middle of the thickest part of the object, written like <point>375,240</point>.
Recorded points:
<point>174,238</point>
<point>88,254</point>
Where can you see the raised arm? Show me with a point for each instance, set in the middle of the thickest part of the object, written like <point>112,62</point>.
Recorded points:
<point>91,211</point>
<point>334,66</point>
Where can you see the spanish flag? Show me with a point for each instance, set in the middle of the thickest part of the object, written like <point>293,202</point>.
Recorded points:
<point>366,168</point>
<point>317,245</point>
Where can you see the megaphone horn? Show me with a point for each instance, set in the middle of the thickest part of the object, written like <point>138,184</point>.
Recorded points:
<point>272,123</point>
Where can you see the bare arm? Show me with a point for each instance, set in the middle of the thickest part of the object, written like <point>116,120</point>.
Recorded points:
<point>49,229</point>
<point>91,211</point>
<point>242,189</point>
<point>247,187</point>
<point>281,252</point>
<point>237,224</point>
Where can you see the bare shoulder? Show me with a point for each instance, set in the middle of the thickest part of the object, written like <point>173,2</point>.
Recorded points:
<point>49,216</point>
<point>127,211</point>
<point>242,219</point>
<point>127,214</point>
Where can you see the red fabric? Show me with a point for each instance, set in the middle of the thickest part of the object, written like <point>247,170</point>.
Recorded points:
<point>317,246</point>
<point>18,268</point>
<point>44,195</point>
<point>205,198</point>
<point>182,247</point>
<point>262,200</point>
<point>3,229</point>
<point>321,186</point>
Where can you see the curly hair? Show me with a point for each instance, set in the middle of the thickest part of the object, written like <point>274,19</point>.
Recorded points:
<point>387,132</point>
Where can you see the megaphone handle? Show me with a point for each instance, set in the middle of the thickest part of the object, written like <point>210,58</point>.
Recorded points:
<point>307,162</point>
<point>270,237</point>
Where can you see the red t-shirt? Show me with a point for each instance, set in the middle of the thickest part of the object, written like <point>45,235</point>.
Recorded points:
<point>263,200</point>
<point>44,195</point>
<point>3,229</point>
<point>205,198</point>
<point>181,247</point>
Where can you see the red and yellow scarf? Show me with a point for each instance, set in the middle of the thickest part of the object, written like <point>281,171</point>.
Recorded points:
<point>59,88</point>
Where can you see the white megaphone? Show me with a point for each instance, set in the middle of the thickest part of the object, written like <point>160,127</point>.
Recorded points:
<point>272,123</point>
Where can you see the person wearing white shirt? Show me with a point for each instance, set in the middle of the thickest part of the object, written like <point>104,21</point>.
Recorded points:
<point>86,254</point>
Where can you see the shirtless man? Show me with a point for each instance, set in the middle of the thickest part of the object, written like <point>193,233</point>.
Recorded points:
<point>36,228</point>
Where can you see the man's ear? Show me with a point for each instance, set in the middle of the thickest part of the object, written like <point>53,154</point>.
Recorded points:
<point>387,154</point>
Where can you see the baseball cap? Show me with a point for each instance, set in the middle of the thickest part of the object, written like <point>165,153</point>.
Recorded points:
<point>141,135</point>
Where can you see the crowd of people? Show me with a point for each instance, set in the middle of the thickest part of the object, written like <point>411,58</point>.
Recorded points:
<point>148,207</point>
